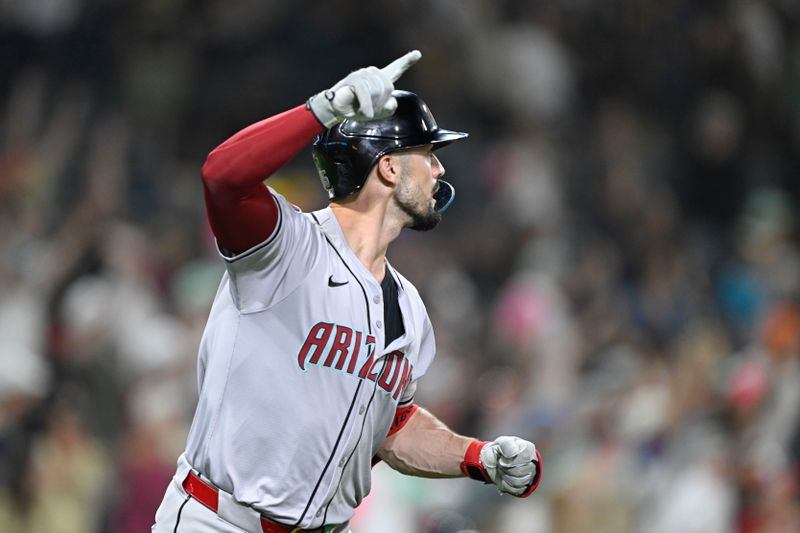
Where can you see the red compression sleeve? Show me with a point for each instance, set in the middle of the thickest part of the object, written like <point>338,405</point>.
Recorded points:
<point>241,211</point>
<point>401,416</point>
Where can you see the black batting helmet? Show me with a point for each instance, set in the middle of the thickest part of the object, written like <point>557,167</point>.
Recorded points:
<point>345,153</point>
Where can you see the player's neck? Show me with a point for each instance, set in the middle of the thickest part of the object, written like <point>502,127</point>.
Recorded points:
<point>368,230</point>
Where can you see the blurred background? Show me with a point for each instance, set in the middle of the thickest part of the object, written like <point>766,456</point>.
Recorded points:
<point>618,280</point>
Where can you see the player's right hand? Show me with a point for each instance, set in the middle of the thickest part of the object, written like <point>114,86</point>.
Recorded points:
<point>365,94</point>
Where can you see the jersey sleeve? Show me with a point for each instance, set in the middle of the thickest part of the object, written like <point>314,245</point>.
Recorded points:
<point>407,398</point>
<point>427,351</point>
<point>269,271</point>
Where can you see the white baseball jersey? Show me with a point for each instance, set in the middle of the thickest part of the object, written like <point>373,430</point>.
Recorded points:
<point>297,387</point>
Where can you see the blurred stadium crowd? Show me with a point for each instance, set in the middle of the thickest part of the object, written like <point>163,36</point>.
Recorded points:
<point>618,281</point>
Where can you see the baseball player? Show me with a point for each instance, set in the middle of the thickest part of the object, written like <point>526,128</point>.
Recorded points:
<point>314,344</point>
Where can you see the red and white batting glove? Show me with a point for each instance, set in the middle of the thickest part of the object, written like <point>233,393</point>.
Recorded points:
<point>514,465</point>
<point>365,94</point>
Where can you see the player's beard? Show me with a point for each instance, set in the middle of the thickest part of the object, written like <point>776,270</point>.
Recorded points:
<point>422,216</point>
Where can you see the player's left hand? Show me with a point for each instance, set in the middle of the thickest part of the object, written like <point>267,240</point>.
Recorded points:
<point>511,463</point>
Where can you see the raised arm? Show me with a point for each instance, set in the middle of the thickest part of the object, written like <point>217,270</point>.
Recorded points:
<point>241,211</point>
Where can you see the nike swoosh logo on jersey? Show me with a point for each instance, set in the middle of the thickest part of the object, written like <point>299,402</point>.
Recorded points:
<point>332,283</point>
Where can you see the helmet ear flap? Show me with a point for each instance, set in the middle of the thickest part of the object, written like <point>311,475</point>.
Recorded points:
<point>327,170</point>
<point>344,170</point>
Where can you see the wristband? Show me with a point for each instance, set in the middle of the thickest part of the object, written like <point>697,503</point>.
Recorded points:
<point>471,465</point>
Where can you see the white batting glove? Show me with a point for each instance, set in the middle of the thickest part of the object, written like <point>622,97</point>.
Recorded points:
<point>365,94</point>
<point>511,463</point>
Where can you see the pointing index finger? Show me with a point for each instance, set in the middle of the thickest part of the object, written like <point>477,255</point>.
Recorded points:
<point>396,68</point>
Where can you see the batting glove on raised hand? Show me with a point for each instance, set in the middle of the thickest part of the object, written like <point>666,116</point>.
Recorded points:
<point>365,94</point>
<point>514,465</point>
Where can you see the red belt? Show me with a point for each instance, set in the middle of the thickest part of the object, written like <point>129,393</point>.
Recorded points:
<point>208,496</point>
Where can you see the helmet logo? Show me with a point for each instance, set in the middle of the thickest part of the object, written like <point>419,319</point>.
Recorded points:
<point>323,177</point>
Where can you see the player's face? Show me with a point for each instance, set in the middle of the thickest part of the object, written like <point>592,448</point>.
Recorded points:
<point>419,179</point>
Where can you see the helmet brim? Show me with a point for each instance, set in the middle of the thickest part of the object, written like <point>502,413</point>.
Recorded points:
<point>444,137</point>
<point>437,139</point>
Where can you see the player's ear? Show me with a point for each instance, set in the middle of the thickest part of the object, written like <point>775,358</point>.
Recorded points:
<point>389,168</point>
